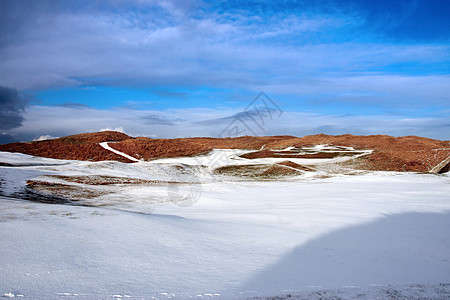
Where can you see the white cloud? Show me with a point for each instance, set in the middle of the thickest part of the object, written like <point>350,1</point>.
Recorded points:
<point>45,137</point>
<point>118,129</point>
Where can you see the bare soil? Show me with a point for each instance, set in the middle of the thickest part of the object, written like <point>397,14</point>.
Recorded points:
<point>61,190</point>
<point>286,168</point>
<point>111,180</point>
<point>242,170</point>
<point>277,170</point>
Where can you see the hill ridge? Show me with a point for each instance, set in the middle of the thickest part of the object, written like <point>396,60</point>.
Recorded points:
<point>405,153</point>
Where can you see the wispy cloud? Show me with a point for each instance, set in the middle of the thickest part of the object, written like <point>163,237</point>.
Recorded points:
<point>73,105</point>
<point>158,120</point>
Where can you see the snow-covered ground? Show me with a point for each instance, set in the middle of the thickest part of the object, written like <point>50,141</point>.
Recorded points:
<point>107,147</point>
<point>373,235</point>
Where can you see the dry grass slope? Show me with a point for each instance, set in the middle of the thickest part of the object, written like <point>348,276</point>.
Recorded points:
<point>409,153</point>
<point>149,149</point>
<point>77,147</point>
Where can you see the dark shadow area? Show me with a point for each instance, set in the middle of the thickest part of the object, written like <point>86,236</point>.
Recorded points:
<point>445,169</point>
<point>29,194</point>
<point>398,249</point>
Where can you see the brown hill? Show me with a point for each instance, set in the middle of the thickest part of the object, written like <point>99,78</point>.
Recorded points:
<point>409,153</point>
<point>78,147</point>
<point>96,137</point>
<point>148,148</point>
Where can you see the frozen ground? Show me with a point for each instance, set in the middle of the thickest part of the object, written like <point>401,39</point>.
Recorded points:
<point>373,235</point>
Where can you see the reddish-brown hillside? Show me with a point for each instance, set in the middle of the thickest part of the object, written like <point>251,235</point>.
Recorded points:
<point>95,137</point>
<point>148,149</point>
<point>408,153</point>
<point>78,147</point>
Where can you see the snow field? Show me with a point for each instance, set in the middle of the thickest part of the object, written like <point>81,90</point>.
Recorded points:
<point>344,235</point>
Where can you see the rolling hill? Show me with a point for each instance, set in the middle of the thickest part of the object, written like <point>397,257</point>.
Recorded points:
<point>402,154</point>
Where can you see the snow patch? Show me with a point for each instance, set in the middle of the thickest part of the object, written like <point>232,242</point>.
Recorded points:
<point>107,147</point>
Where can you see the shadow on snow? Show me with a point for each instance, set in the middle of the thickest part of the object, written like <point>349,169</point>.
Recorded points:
<point>394,250</point>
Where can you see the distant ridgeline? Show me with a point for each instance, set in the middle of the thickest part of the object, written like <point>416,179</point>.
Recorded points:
<point>402,154</point>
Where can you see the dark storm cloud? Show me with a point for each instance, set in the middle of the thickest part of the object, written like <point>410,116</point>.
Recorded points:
<point>6,138</point>
<point>12,105</point>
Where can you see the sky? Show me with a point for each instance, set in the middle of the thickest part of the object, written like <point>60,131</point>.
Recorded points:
<point>169,68</point>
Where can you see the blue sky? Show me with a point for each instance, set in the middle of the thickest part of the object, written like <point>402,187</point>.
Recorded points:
<point>336,67</point>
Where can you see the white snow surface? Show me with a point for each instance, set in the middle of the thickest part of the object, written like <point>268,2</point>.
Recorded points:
<point>379,234</point>
<point>107,147</point>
